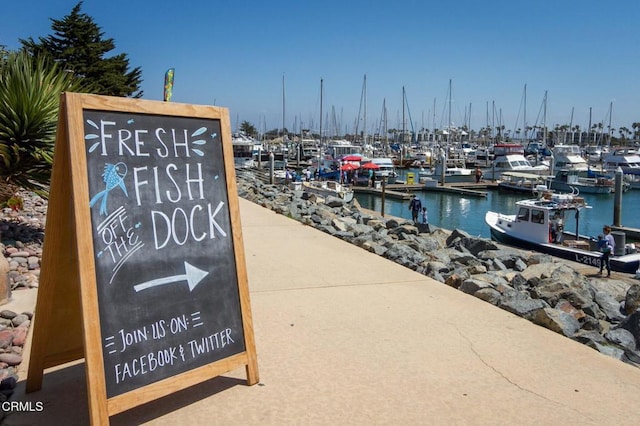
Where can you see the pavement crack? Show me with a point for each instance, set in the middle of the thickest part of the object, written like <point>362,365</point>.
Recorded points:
<point>508,380</point>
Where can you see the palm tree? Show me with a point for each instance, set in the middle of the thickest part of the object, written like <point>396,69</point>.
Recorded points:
<point>636,129</point>
<point>623,133</point>
<point>29,99</point>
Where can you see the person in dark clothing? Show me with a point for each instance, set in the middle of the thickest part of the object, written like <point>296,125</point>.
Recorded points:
<point>478,175</point>
<point>415,205</point>
<point>606,244</point>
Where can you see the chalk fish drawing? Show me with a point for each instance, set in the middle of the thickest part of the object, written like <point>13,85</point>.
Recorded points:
<point>113,176</point>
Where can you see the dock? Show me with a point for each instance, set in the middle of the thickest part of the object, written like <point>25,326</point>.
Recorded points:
<point>404,191</point>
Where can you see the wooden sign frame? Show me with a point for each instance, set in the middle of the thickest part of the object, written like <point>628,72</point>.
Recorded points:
<point>66,322</point>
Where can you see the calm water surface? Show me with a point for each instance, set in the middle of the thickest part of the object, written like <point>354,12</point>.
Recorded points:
<point>451,211</point>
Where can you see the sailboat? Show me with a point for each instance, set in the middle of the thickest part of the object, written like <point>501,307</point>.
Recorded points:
<point>451,162</point>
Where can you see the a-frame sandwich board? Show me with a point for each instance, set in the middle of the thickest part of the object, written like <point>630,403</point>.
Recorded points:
<point>143,271</point>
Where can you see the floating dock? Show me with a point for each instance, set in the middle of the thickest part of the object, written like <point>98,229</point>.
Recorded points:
<point>403,191</point>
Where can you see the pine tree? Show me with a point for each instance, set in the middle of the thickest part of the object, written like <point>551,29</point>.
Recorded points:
<point>78,46</point>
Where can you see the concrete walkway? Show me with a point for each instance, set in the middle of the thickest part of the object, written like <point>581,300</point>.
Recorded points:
<point>346,337</point>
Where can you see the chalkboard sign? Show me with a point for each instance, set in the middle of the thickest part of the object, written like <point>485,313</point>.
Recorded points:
<point>160,258</point>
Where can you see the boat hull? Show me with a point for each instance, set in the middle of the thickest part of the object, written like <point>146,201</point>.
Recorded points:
<point>346,194</point>
<point>581,189</point>
<point>627,264</point>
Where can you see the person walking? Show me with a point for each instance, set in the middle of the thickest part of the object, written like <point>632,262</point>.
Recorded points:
<point>415,205</point>
<point>425,216</point>
<point>607,246</point>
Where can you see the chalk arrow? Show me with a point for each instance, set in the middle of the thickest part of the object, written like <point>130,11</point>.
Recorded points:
<point>192,276</point>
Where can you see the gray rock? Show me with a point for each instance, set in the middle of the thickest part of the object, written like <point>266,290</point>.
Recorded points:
<point>521,305</point>
<point>632,299</point>
<point>19,319</point>
<point>609,306</point>
<point>7,314</point>
<point>489,294</point>
<point>471,286</point>
<point>555,320</point>
<point>621,337</point>
<point>11,358</point>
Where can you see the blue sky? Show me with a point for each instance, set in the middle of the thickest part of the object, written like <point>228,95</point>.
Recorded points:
<point>584,53</point>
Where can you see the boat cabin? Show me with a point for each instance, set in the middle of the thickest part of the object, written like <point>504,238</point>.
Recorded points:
<point>625,158</point>
<point>543,220</point>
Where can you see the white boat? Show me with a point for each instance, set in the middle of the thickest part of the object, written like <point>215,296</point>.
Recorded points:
<point>569,157</point>
<point>527,183</point>
<point>337,151</point>
<point>626,159</point>
<point>633,181</point>
<point>510,158</point>
<point>594,153</point>
<point>385,169</point>
<point>533,227</point>
<point>309,149</point>
<point>327,188</point>
<point>244,149</point>
<point>453,171</point>
<point>567,180</point>
<point>482,157</point>
<point>573,174</point>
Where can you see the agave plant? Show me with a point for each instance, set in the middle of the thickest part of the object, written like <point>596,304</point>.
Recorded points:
<point>30,90</point>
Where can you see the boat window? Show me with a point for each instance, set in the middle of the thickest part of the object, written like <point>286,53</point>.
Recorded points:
<point>523,214</point>
<point>537,216</point>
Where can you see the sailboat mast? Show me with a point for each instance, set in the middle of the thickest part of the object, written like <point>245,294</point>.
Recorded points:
<point>493,120</point>
<point>449,117</point>
<point>384,126</point>
<point>589,138</point>
<point>487,121</point>
<point>524,115</point>
<point>403,117</point>
<point>434,120</point>
<point>283,107</point>
<point>610,130</point>
<point>321,82</point>
<point>469,123</point>
<point>571,127</point>
<point>365,109</point>
<point>544,119</point>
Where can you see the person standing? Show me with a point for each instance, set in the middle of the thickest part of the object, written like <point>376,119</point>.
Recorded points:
<point>425,216</point>
<point>415,205</point>
<point>478,174</point>
<point>607,248</point>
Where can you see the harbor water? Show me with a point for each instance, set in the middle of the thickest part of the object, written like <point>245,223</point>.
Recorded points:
<point>453,211</point>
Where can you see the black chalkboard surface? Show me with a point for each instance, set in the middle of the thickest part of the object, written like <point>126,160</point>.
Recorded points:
<point>164,256</point>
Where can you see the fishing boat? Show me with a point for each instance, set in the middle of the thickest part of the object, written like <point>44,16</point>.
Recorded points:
<point>327,188</point>
<point>539,224</point>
